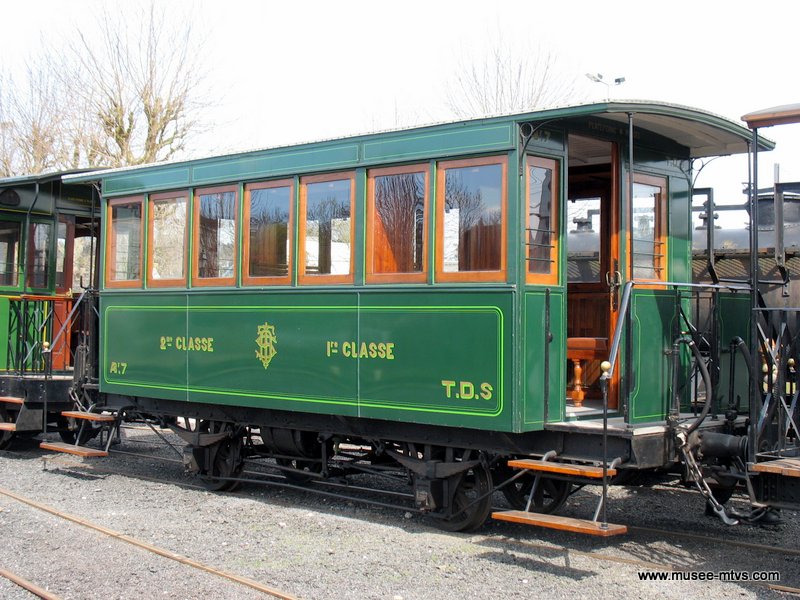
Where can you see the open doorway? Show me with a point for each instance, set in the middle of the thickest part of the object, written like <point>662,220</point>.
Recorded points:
<point>592,266</point>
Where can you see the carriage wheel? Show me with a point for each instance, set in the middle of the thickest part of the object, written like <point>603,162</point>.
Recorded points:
<point>6,436</point>
<point>227,460</point>
<point>550,495</point>
<point>469,512</point>
<point>68,431</point>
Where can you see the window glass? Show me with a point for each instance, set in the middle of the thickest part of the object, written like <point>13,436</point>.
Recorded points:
<point>269,210</point>
<point>82,261</point>
<point>541,218</point>
<point>327,227</point>
<point>473,213</point>
<point>216,240</point>
<point>10,233</point>
<point>125,247</point>
<point>648,251</point>
<point>168,238</point>
<point>398,223</point>
<point>584,257</point>
<point>61,253</point>
<point>40,237</point>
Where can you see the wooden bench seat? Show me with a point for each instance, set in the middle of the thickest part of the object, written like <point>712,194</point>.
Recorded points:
<point>580,349</point>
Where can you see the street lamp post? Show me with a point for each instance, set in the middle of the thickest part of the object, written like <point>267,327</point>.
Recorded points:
<point>598,78</point>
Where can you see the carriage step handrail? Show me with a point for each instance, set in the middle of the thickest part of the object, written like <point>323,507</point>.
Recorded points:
<point>549,466</point>
<point>73,449</point>
<point>788,467</point>
<point>584,526</point>
<point>12,400</point>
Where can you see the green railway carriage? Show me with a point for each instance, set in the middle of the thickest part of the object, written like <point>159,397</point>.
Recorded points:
<point>47,245</point>
<point>454,301</point>
<point>421,276</point>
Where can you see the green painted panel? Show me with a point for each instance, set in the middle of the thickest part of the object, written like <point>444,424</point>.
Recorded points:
<point>536,345</point>
<point>652,317</point>
<point>276,163</point>
<point>450,358</point>
<point>438,143</point>
<point>425,357</point>
<point>146,180</point>
<point>5,307</point>
<point>680,234</point>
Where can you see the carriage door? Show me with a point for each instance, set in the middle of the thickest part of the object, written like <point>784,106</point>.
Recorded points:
<point>593,268</point>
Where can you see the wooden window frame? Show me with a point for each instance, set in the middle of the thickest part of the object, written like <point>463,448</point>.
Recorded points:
<point>21,254</point>
<point>213,281</point>
<point>314,279</point>
<point>111,245</point>
<point>49,270</point>
<point>661,226</point>
<point>151,200</point>
<point>498,276</point>
<point>416,277</point>
<point>555,211</point>
<point>248,279</point>
<point>69,254</point>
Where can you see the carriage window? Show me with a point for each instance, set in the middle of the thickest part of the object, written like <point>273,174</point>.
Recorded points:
<point>124,255</point>
<point>396,224</point>
<point>648,224</point>
<point>542,235</point>
<point>40,239</point>
<point>215,236</point>
<point>84,248</point>
<point>326,229</point>
<point>585,257</point>
<point>10,234</point>
<point>167,240</point>
<point>471,220</point>
<point>64,243</point>
<point>267,242</point>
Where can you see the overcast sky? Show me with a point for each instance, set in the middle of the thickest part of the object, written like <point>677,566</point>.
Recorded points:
<point>294,70</point>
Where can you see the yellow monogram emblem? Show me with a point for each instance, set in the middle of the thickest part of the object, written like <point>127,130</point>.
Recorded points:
<point>266,341</point>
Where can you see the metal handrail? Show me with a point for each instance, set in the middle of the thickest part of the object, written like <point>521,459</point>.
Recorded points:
<point>67,321</point>
<point>625,305</point>
<point>615,341</point>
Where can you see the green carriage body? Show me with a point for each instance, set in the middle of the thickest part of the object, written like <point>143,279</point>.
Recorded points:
<point>41,217</point>
<point>485,355</point>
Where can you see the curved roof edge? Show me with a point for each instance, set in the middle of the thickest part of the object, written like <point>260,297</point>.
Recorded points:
<point>704,133</point>
<point>777,115</point>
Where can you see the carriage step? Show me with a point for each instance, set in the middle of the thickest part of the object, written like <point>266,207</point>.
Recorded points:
<point>12,400</point>
<point>549,466</point>
<point>788,467</point>
<point>562,523</point>
<point>8,426</point>
<point>72,449</point>
<point>88,416</point>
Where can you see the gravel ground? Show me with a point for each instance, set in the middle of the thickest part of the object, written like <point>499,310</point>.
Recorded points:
<point>314,547</point>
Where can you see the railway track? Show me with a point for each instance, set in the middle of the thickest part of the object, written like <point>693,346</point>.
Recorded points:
<point>271,479</point>
<point>494,540</point>
<point>245,581</point>
<point>27,585</point>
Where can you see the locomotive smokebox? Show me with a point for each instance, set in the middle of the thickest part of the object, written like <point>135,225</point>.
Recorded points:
<point>722,445</point>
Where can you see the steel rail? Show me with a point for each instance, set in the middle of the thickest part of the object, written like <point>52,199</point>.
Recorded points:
<point>27,585</point>
<point>251,583</point>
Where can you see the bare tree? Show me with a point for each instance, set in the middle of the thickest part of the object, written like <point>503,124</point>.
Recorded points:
<point>127,91</point>
<point>137,85</point>
<point>32,123</point>
<point>508,79</point>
